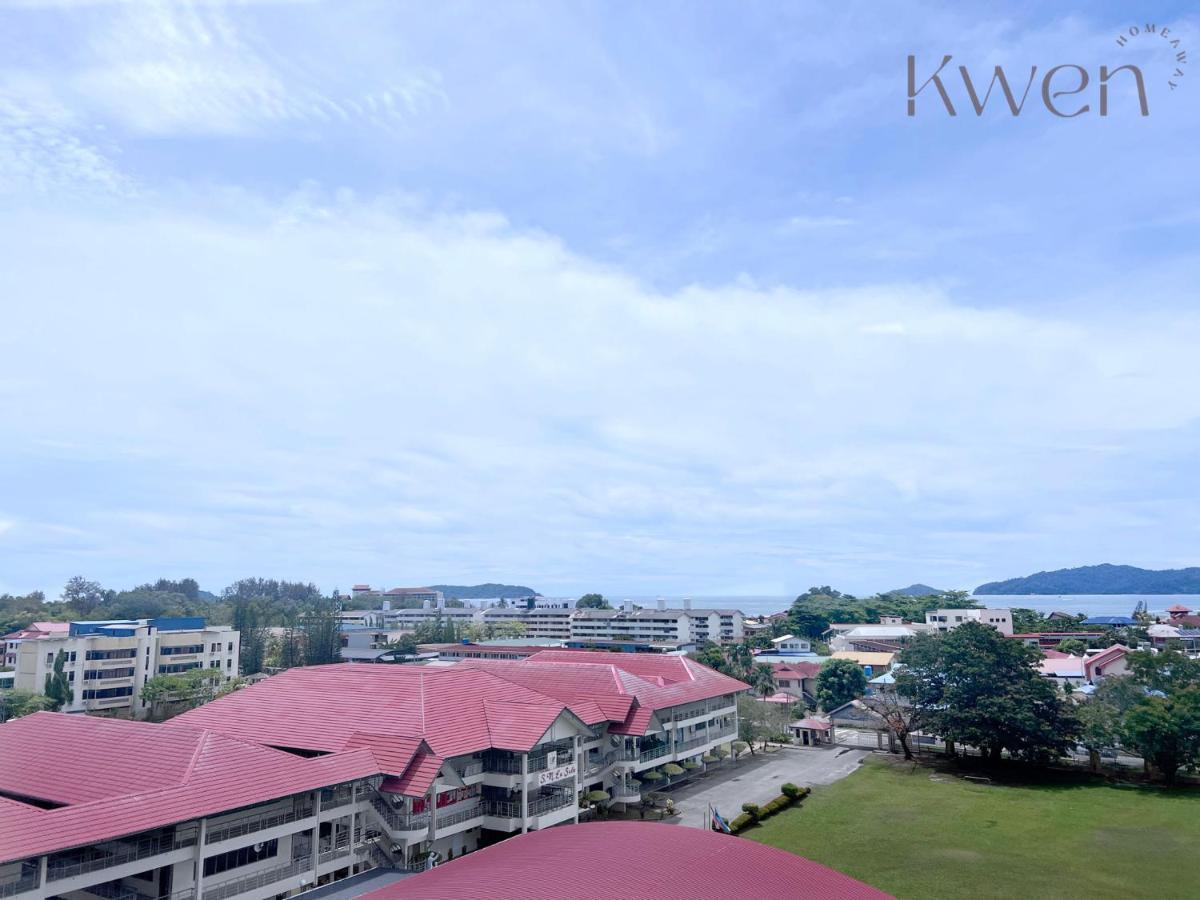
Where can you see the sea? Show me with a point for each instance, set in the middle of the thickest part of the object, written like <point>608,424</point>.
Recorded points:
<point>1089,604</point>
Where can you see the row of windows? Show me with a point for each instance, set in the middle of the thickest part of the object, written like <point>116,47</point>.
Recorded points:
<point>185,648</point>
<point>106,693</point>
<point>129,653</point>
<point>99,674</point>
<point>172,668</point>
<point>243,856</point>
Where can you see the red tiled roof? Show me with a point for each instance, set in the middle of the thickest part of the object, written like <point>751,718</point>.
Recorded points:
<point>1179,607</point>
<point>322,707</point>
<point>622,860</point>
<point>800,669</point>
<point>219,774</point>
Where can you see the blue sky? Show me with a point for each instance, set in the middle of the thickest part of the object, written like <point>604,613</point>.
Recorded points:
<point>656,298</point>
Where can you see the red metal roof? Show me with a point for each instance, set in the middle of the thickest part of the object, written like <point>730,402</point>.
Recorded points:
<point>219,774</point>
<point>635,860</point>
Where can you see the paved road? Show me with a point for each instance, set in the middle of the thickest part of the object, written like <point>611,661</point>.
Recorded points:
<point>757,779</point>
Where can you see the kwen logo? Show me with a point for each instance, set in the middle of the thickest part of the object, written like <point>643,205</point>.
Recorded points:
<point>1064,90</point>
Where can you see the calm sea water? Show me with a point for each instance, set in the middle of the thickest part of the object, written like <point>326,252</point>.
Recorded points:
<point>1091,604</point>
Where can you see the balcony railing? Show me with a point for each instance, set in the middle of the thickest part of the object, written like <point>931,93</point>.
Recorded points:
<point>234,886</point>
<point>94,859</point>
<point>334,799</point>
<point>626,793</point>
<point>24,883</point>
<point>511,809</point>
<point>250,824</point>
<point>654,752</point>
<point>599,762</point>
<point>445,820</point>
<point>398,821</point>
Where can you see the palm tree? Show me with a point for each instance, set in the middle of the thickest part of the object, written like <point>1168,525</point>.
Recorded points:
<point>762,679</point>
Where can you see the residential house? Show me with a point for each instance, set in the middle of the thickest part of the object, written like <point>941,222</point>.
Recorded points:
<point>873,663</point>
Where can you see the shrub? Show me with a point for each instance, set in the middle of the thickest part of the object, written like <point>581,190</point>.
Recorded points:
<point>752,810</point>
<point>740,823</point>
<point>790,790</point>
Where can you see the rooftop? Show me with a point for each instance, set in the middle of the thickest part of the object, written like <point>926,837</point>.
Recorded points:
<point>563,863</point>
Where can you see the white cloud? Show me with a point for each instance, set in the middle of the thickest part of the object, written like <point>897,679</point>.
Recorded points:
<point>336,386</point>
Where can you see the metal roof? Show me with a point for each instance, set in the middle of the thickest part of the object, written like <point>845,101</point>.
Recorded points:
<point>626,860</point>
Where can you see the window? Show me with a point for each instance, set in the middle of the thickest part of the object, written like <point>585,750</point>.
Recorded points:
<point>94,674</point>
<point>230,647</point>
<point>214,648</point>
<point>172,668</point>
<point>107,693</point>
<point>185,648</point>
<point>111,654</point>
<point>243,856</point>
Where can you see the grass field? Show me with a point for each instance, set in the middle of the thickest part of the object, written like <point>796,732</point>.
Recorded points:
<point>922,834</point>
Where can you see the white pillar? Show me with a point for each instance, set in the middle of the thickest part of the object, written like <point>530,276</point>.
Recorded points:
<point>578,775</point>
<point>524,793</point>
<point>201,836</point>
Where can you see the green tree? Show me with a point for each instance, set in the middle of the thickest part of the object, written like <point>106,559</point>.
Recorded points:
<point>762,679</point>
<point>58,686</point>
<point>592,601</point>
<point>322,630</point>
<point>83,595</point>
<point>838,682</point>
<point>1166,731</point>
<point>248,620</point>
<point>14,704</point>
<point>979,688</point>
<point>1074,646</point>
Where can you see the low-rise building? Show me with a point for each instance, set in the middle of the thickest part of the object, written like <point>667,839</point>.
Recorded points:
<point>108,662</point>
<point>317,773</point>
<point>872,664</point>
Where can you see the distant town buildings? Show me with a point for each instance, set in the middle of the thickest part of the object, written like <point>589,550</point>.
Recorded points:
<point>557,619</point>
<point>108,662</point>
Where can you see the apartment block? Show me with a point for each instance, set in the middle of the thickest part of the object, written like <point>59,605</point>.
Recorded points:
<point>946,619</point>
<point>108,662</point>
<point>317,773</point>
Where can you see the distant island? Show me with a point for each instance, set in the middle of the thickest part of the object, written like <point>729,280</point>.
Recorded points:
<point>483,591</point>
<point>1102,579</point>
<point>914,590</point>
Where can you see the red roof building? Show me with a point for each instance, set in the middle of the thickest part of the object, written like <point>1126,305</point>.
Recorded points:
<point>621,860</point>
<point>316,773</point>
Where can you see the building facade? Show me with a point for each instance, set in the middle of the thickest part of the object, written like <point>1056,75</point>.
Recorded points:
<point>107,663</point>
<point>946,619</point>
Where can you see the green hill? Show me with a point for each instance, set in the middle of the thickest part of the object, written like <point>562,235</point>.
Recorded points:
<point>1102,579</point>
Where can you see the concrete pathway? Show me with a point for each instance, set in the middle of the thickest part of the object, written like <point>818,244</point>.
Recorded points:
<point>756,779</point>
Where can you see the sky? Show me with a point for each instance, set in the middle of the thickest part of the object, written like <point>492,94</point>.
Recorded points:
<point>667,298</point>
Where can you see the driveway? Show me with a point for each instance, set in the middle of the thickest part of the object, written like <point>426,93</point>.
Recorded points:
<point>756,779</point>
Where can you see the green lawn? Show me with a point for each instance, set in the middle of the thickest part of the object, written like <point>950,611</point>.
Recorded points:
<point>918,836</point>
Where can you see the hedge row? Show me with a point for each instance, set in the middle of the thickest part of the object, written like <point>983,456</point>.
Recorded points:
<point>752,813</point>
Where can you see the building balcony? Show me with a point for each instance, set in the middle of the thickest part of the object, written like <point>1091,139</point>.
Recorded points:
<point>654,753</point>
<point>115,853</point>
<point>511,809</point>
<point>397,821</point>
<point>232,887</point>
<point>471,769</point>
<point>333,799</point>
<point>624,793</point>
<point>27,882</point>
<point>452,815</point>
<point>249,824</point>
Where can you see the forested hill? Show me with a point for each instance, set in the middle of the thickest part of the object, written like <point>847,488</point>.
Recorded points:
<point>484,591</point>
<point>1103,579</point>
